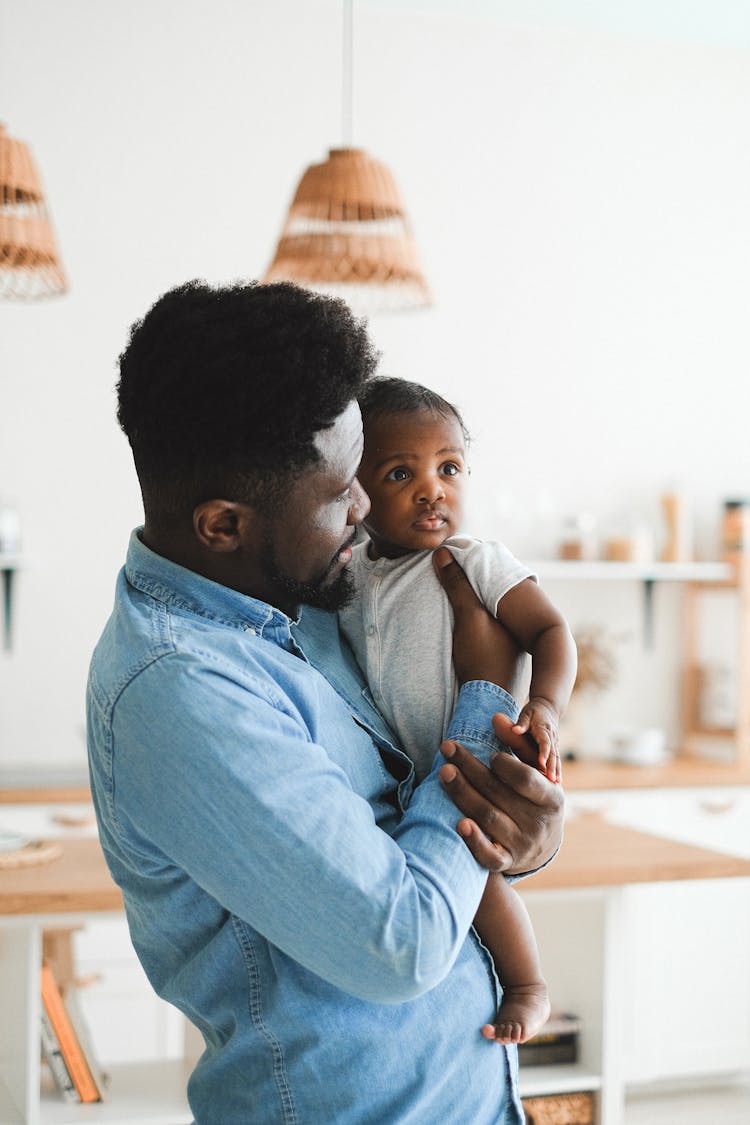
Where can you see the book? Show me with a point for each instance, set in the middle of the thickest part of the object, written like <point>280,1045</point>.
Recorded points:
<point>71,1049</point>
<point>54,1058</point>
<point>81,1028</point>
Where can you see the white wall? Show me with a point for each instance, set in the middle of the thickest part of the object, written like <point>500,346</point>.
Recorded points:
<point>580,198</point>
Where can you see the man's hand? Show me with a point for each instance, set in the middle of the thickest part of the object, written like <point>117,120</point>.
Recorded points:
<point>513,816</point>
<point>482,648</point>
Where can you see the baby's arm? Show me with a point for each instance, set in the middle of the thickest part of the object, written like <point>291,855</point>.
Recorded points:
<point>534,621</point>
<point>505,928</point>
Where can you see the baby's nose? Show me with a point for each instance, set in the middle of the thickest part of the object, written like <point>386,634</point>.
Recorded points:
<point>430,492</point>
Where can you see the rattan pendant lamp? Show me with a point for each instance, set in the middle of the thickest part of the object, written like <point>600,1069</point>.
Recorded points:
<point>347,231</point>
<point>30,266</point>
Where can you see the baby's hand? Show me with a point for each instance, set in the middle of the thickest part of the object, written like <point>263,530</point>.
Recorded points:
<point>540,719</point>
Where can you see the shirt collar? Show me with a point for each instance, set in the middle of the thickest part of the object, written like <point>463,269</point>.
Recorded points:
<point>177,586</point>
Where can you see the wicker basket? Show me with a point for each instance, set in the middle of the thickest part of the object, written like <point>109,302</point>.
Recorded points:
<point>29,262</point>
<point>347,229</point>
<point>560,1109</point>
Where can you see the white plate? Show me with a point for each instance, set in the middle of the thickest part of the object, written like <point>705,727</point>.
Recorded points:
<point>10,841</point>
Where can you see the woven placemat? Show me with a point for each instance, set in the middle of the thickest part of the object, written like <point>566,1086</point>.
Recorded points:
<point>31,854</point>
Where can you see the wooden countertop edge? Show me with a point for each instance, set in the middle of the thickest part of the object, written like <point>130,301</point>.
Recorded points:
<point>76,882</point>
<point>679,773</point>
<point>50,795</point>
<point>24,903</point>
<point>595,853</point>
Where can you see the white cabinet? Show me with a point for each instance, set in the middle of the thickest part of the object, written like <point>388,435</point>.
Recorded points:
<point>686,1010</point>
<point>658,972</point>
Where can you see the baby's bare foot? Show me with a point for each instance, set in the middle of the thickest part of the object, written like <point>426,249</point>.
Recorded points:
<point>524,1011</point>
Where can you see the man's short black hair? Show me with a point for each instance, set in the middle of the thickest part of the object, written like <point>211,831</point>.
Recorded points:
<point>223,389</point>
<point>387,394</point>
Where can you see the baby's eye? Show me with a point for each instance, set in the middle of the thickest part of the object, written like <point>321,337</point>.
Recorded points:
<point>399,473</point>
<point>450,469</point>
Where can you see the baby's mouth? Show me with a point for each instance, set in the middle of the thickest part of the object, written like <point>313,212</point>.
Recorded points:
<point>431,521</point>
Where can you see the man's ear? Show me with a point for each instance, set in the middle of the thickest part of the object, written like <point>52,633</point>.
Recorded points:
<point>218,524</point>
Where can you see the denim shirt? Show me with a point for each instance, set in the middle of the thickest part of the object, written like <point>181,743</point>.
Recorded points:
<point>283,885</point>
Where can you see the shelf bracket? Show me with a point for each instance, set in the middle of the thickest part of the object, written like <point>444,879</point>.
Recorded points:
<point>7,572</point>
<point>648,613</point>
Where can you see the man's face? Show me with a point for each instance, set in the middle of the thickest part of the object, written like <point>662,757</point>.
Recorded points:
<point>307,542</point>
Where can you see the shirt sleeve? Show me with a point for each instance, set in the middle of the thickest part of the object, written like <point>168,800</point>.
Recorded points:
<point>490,567</point>
<point>240,801</point>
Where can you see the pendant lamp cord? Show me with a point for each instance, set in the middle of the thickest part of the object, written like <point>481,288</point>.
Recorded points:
<point>346,75</point>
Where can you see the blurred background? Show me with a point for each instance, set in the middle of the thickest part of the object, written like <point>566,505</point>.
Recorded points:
<point>577,177</point>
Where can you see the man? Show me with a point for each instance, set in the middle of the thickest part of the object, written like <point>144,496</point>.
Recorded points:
<point>283,885</point>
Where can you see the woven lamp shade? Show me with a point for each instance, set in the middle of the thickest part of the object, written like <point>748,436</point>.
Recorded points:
<point>347,233</point>
<point>29,263</point>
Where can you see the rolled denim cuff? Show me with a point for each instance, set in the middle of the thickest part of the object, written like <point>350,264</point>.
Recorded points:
<point>471,724</point>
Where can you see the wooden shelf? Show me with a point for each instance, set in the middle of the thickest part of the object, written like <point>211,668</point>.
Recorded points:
<point>566,1078</point>
<point>698,578</point>
<point>581,571</point>
<point>696,734</point>
<point>142,1093</point>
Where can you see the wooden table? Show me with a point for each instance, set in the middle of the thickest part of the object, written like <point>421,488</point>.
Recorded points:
<point>595,853</point>
<point>78,881</point>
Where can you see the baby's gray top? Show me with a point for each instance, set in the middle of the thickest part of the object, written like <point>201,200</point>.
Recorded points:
<point>400,626</point>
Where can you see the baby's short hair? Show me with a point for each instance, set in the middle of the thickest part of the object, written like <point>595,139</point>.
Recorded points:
<point>387,394</point>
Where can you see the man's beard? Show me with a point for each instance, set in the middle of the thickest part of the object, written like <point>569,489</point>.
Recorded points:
<point>321,594</point>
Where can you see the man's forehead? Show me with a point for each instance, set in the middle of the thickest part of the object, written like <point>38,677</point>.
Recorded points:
<point>342,443</point>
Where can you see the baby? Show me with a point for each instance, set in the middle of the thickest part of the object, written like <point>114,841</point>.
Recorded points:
<point>400,626</point>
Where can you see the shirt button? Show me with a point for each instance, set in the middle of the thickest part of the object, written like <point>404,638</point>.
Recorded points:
<point>370,630</point>
<point>250,629</point>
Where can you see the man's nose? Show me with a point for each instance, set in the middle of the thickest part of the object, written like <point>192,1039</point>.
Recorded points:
<point>360,504</point>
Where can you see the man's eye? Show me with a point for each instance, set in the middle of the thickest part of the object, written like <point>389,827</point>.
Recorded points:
<point>397,474</point>
<point>450,469</point>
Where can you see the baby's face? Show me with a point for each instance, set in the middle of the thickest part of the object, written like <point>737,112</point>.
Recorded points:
<point>414,470</point>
